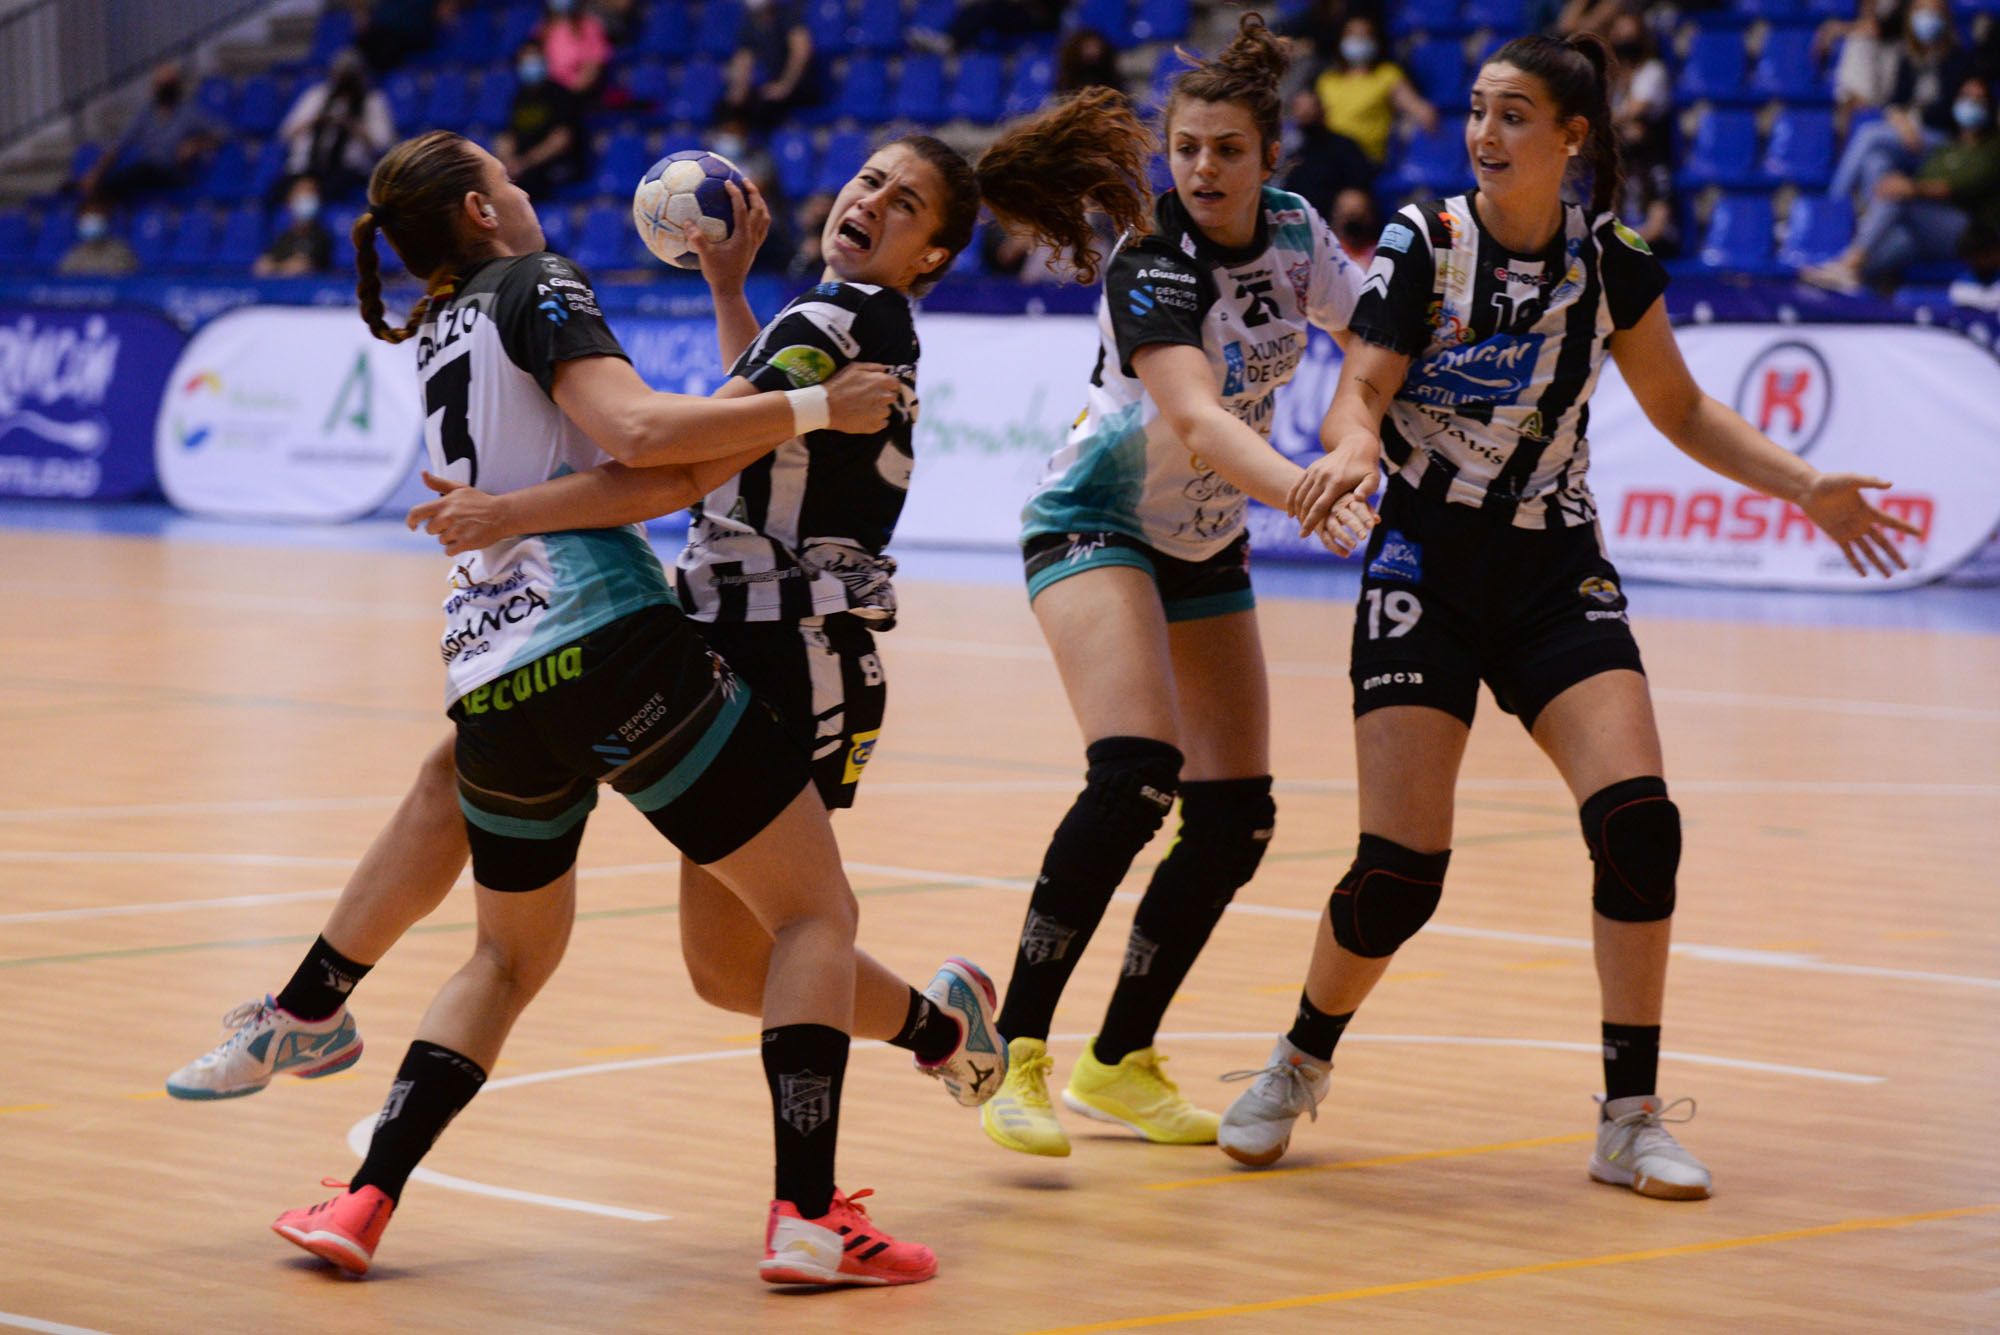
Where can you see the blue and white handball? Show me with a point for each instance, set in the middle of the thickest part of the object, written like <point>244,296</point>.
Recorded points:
<point>682,188</point>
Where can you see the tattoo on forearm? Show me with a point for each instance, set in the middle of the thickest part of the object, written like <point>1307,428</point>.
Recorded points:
<point>1368,386</point>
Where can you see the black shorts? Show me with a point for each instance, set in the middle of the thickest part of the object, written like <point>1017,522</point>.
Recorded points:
<point>643,705</point>
<point>1451,598</point>
<point>825,681</point>
<point>1189,590</point>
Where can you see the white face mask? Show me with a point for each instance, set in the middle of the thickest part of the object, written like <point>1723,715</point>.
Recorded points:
<point>1927,25</point>
<point>1358,50</point>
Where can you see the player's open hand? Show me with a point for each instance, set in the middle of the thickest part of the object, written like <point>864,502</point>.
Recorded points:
<point>1835,503</point>
<point>462,518</point>
<point>1345,530</point>
<point>1330,480</point>
<point>725,264</point>
<point>859,397</point>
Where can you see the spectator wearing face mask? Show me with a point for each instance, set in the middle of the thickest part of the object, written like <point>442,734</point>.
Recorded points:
<point>1918,116</point>
<point>576,47</point>
<point>1871,55</point>
<point>304,246</point>
<point>97,252</point>
<point>1362,94</point>
<point>1323,163</point>
<point>772,72</point>
<point>1086,60</point>
<point>544,146</point>
<point>160,150</point>
<point>337,130</point>
<point>1355,222</point>
<point>1926,216</point>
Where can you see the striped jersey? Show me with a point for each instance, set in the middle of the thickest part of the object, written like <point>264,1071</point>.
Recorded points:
<point>1122,469</point>
<point>801,533</point>
<point>1505,349</point>
<point>487,359</point>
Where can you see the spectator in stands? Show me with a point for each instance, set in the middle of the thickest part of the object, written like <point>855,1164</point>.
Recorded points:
<point>808,221</point>
<point>1323,163</point>
<point>304,246</point>
<point>1871,55</point>
<point>1086,60</point>
<point>1594,15</point>
<point>772,72</point>
<point>1357,224</point>
<point>1641,95</point>
<point>337,130</point>
<point>1362,93</point>
<point>545,146</point>
<point>576,47</point>
<point>1979,286</point>
<point>1919,112</point>
<point>161,149</point>
<point>388,32</point>
<point>1317,26</point>
<point>1926,216</point>
<point>98,251</point>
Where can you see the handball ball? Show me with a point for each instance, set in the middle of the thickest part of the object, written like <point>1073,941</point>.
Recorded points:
<point>682,188</point>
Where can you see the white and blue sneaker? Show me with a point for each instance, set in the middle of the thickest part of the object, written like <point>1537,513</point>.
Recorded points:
<point>975,1069</point>
<point>268,1041</point>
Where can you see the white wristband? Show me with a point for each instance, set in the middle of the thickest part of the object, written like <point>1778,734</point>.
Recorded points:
<point>810,410</point>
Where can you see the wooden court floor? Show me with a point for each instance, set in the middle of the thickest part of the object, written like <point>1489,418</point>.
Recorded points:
<point>198,741</point>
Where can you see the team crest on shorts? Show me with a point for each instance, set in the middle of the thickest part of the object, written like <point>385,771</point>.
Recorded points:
<point>1399,558</point>
<point>1603,590</point>
<point>805,1100</point>
<point>859,754</point>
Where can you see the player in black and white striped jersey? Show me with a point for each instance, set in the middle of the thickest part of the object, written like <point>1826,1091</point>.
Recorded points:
<point>1480,332</point>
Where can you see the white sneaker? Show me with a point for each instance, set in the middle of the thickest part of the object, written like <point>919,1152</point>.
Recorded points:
<point>975,1069</point>
<point>267,1042</point>
<point>1635,1149</point>
<point>1258,1126</point>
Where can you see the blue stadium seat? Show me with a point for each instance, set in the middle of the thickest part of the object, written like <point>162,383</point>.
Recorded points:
<point>827,21</point>
<point>696,92</point>
<point>469,40</point>
<point>558,228</point>
<point>1108,17</point>
<point>334,31</point>
<point>229,176</point>
<point>1508,16</point>
<point>193,241</point>
<point>1034,77</point>
<point>260,105</point>
<point>1739,235</point>
<point>495,103</point>
<point>1160,20</point>
<point>1724,151</point>
<point>721,21</point>
<point>1819,228</point>
<point>265,173</point>
<point>1438,69</point>
<point>934,15</point>
<point>16,236</point>
<point>149,234</point>
<point>242,239</point>
<point>406,100</point>
<point>1167,67</point>
<point>845,151</point>
<point>58,234</point>
<point>517,24</point>
<point>1418,18</point>
<point>1714,67</point>
<point>621,164</point>
<point>340,222</point>
<point>216,97</point>
<point>1818,11</point>
<point>1786,69</point>
<point>920,90</point>
<point>1433,163</point>
<point>448,105</point>
<point>607,238</point>
<point>668,32</point>
<point>1801,148</point>
<point>975,89</point>
<point>795,160</point>
<point>878,26</point>
<point>862,91</point>
<point>1776,11</point>
<point>86,156</point>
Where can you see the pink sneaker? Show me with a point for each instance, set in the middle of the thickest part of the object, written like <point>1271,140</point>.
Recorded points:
<point>345,1230</point>
<point>842,1246</point>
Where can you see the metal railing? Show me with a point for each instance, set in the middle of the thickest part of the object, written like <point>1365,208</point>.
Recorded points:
<point>56,55</point>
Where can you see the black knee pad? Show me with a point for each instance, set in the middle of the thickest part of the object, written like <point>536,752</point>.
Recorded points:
<point>1387,894</point>
<point>1634,832</point>
<point>1128,791</point>
<point>1226,825</point>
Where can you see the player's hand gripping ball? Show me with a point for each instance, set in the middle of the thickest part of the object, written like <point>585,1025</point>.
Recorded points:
<point>684,188</point>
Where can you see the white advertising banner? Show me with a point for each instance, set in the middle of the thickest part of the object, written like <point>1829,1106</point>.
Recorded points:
<point>288,413</point>
<point>1919,407</point>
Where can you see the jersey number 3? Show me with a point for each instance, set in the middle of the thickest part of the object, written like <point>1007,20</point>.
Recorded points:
<point>449,392</point>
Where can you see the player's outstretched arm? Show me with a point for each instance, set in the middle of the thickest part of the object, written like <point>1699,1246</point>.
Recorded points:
<point>1716,436</point>
<point>1336,487</point>
<point>1179,380</point>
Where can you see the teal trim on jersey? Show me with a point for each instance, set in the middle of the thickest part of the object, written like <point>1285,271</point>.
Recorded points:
<point>601,574</point>
<point>695,763</point>
<point>1103,486</point>
<point>1211,605</point>
<point>520,827</point>
<point>1291,236</point>
<point>1097,560</point>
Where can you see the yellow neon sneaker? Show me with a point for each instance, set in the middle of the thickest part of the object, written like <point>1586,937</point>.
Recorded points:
<point>1019,1116</point>
<point>1137,1094</point>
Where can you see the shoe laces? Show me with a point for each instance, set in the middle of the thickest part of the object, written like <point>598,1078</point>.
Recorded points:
<point>1034,1080</point>
<point>1286,1082</point>
<point>1647,1126</point>
<point>1153,1066</point>
<point>241,1020</point>
<point>854,1202</point>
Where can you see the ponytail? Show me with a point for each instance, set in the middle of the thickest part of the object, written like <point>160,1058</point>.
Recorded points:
<point>414,197</point>
<point>368,287</point>
<point>1577,72</point>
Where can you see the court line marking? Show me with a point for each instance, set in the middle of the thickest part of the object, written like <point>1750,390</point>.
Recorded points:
<point>1379,1161</point>
<point>234,807</point>
<point>362,1131</point>
<point>20,1322</point>
<point>1517,1271</point>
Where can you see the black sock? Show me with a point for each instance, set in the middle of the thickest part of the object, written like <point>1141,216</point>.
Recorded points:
<point>320,984</point>
<point>1631,1060</point>
<point>432,1085</point>
<point>927,1031</point>
<point>1092,850</point>
<point>1316,1033</point>
<point>804,1064</point>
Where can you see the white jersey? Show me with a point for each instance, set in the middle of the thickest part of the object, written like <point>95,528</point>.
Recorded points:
<point>1122,470</point>
<point>487,359</point>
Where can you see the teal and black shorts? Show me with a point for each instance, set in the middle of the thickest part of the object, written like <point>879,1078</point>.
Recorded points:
<point>643,705</point>
<point>1189,590</point>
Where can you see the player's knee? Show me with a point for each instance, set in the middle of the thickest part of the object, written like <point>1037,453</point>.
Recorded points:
<point>1634,832</point>
<point>1226,826</point>
<point>1128,791</point>
<point>725,988</point>
<point>1387,895</point>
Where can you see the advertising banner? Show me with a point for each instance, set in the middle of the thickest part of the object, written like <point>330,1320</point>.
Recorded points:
<point>288,413</point>
<point>77,392</point>
<point>1919,407</point>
